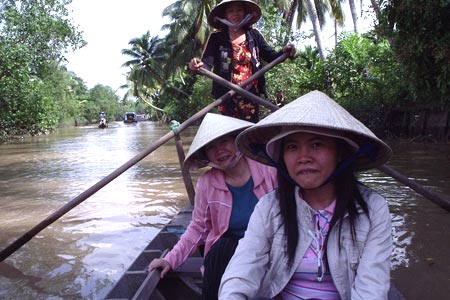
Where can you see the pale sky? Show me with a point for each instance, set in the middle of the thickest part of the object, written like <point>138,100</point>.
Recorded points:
<point>108,26</point>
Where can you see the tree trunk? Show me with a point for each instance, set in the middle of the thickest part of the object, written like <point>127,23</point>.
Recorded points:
<point>354,15</point>
<point>290,14</point>
<point>312,12</point>
<point>335,33</point>
<point>376,9</point>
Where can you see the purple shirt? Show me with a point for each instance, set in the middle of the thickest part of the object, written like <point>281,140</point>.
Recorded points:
<point>312,279</point>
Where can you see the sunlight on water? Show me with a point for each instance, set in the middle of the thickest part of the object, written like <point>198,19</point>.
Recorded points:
<point>88,249</point>
<point>395,196</point>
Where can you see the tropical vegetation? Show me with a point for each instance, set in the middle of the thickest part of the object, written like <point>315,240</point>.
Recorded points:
<point>403,61</point>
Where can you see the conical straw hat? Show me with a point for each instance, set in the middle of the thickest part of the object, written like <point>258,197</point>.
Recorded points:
<point>219,11</point>
<point>212,127</point>
<point>313,112</point>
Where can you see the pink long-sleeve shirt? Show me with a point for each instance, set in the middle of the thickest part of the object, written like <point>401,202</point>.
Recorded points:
<point>212,210</point>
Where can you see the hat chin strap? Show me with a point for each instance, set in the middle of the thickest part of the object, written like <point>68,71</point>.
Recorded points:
<point>234,161</point>
<point>236,27</point>
<point>365,149</point>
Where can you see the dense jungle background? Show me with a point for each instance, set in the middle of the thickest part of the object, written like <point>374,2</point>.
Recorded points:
<point>395,77</point>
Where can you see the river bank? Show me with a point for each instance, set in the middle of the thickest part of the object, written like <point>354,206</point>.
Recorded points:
<point>430,124</point>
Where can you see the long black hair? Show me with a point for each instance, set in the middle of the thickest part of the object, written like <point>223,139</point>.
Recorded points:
<point>348,198</point>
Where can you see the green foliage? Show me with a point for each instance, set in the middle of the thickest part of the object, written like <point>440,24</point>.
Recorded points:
<point>40,26</point>
<point>273,27</point>
<point>295,77</point>
<point>421,38</point>
<point>33,38</point>
<point>361,73</point>
<point>179,106</point>
<point>101,98</point>
<point>362,67</point>
<point>365,77</point>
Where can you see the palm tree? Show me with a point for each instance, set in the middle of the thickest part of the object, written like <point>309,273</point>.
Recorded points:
<point>147,64</point>
<point>315,10</point>
<point>188,29</point>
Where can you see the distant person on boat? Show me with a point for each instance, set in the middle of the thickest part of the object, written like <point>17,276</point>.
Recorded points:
<point>235,51</point>
<point>322,234</point>
<point>103,122</point>
<point>224,200</point>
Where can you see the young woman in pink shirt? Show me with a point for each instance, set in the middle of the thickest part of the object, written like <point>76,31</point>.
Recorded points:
<point>225,198</point>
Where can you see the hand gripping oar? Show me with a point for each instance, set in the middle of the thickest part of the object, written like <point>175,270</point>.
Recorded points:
<point>5,253</point>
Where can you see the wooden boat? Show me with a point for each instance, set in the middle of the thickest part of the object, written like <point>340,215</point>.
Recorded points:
<point>183,284</point>
<point>103,123</point>
<point>130,117</point>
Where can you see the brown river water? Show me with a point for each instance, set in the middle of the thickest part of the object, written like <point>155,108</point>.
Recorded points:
<point>81,255</point>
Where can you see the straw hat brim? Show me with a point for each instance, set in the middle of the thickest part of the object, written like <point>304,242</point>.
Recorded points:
<point>219,11</point>
<point>309,112</point>
<point>212,127</point>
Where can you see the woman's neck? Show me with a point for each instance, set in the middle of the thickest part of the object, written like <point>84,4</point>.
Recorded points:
<point>239,174</point>
<point>321,197</point>
<point>237,37</point>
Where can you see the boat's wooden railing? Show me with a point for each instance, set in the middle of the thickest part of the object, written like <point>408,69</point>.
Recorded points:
<point>150,282</point>
<point>136,283</point>
<point>187,272</point>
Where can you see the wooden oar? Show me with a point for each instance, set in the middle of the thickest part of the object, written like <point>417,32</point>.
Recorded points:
<point>5,253</point>
<point>441,200</point>
<point>237,89</point>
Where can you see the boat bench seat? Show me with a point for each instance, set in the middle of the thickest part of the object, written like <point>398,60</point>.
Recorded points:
<point>189,273</point>
<point>190,267</point>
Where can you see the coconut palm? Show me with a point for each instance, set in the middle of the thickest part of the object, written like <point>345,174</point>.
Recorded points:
<point>147,66</point>
<point>315,11</point>
<point>188,30</point>
<point>145,54</point>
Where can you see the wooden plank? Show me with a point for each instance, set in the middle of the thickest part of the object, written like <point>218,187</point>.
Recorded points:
<point>148,286</point>
<point>150,282</point>
<point>191,267</point>
<point>157,295</point>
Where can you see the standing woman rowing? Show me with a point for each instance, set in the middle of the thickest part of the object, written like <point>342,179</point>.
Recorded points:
<point>235,51</point>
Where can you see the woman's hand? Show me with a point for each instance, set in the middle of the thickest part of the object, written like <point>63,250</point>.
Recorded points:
<point>160,263</point>
<point>195,64</point>
<point>289,48</point>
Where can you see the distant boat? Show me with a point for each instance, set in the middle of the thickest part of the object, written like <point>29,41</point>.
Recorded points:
<point>103,123</point>
<point>130,117</point>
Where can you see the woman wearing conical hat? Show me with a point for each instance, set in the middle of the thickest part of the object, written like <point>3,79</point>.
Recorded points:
<point>322,234</point>
<point>225,197</point>
<point>234,52</point>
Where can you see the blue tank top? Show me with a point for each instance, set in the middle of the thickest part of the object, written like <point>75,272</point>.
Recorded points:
<point>244,201</point>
